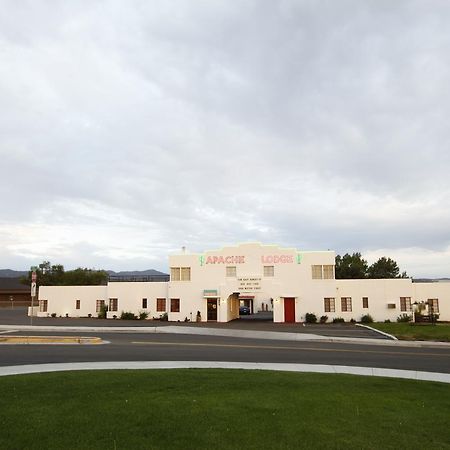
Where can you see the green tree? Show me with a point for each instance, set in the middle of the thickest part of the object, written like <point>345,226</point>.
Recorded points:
<point>350,266</point>
<point>385,268</point>
<point>55,275</point>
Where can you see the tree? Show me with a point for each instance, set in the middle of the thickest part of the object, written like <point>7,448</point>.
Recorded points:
<point>350,266</point>
<point>55,275</point>
<point>385,268</point>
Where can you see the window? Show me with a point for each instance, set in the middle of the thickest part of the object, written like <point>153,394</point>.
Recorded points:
<point>346,304</point>
<point>180,274</point>
<point>113,304</point>
<point>268,271</point>
<point>328,272</point>
<point>316,272</point>
<point>365,302</point>
<point>185,274</point>
<point>433,305</point>
<point>100,304</point>
<point>231,271</point>
<point>43,305</point>
<point>174,305</point>
<point>144,303</point>
<point>160,305</point>
<point>329,304</point>
<point>405,303</point>
<point>77,304</point>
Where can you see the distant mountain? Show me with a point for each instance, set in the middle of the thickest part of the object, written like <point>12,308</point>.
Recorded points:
<point>135,273</point>
<point>8,273</point>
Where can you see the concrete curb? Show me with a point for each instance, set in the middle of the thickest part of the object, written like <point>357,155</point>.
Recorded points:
<point>390,336</point>
<point>33,340</point>
<point>249,334</point>
<point>310,368</point>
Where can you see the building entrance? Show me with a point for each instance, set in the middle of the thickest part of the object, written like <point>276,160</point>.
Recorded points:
<point>289,309</point>
<point>212,309</point>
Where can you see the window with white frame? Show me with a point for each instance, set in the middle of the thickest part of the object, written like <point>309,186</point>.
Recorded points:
<point>365,302</point>
<point>113,304</point>
<point>316,272</point>
<point>231,271</point>
<point>269,271</point>
<point>346,304</point>
<point>405,304</point>
<point>43,305</point>
<point>99,305</point>
<point>328,272</point>
<point>180,274</point>
<point>433,305</point>
<point>329,304</point>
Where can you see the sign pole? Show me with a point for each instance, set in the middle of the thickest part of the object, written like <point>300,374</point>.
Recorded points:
<point>33,293</point>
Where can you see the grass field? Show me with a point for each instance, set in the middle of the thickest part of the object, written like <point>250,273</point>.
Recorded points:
<point>220,409</point>
<point>420,332</point>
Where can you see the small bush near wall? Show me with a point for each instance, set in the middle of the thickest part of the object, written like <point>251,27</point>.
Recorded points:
<point>164,317</point>
<point>143,315</point>
<point>127,315</point>
<point>323,319</point>
<point>366,319</point>
<point>310,318</point>
<point>53,314</point>
<point>102,313</point>
<point>338,320</point>
<point>404,318</point>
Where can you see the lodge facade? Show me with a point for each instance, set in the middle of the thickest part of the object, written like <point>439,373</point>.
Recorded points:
<point>213,285</point>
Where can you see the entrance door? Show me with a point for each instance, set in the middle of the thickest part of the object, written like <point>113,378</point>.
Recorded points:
<point>212,309</point>
<point>289,309</point>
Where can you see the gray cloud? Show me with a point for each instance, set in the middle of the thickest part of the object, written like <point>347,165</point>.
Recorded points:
<point>131,129</point>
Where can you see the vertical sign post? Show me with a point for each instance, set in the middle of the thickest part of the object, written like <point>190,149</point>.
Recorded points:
<point>33,292</point>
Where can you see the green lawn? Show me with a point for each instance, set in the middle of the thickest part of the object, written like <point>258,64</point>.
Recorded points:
<point>220,409</point>
<point>420,332</point>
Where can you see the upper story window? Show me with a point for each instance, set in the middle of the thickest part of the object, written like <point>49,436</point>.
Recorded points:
<point>322,272</point>
<point>269,271</point>
<point>328,272</point>
<point>231,271</point>
<point>316,272</point>
<point>180,274</point>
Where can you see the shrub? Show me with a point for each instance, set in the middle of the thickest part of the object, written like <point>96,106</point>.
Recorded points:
<point>102,313</point>
<point>127,315</point>
<point>323,319</point>
<point>366,319</point>
<point>338,320</point>
<point>404,318</point>
<point>164,317</point>
<point>53,314</point>
<point>143,315</point>
<point>387,321</point>
<point>352,320</point>
<point>310,318</point>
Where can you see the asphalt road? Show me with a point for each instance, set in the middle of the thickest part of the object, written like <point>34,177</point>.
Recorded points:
<point>125,346</point>
<point>171,347</point>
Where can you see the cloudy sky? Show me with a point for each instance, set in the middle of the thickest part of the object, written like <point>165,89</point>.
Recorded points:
<point>130,129</point>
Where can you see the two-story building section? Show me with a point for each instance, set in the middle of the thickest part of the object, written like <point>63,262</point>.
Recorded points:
<point>211,286</point>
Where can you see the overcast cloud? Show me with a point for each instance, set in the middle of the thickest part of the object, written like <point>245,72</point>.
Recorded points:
<point>130,129</point>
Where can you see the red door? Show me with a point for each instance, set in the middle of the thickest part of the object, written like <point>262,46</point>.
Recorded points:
<point>289,310</point>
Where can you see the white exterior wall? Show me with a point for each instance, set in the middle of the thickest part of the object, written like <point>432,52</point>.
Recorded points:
<point>130,295</point>
<point>292,279</point>
<point>62,300</point>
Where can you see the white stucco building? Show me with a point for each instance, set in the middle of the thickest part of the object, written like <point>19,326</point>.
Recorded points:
<point>287,281</point>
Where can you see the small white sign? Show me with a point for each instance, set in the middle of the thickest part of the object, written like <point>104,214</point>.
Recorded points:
<point>249,284</point>
<point>33,289</point>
